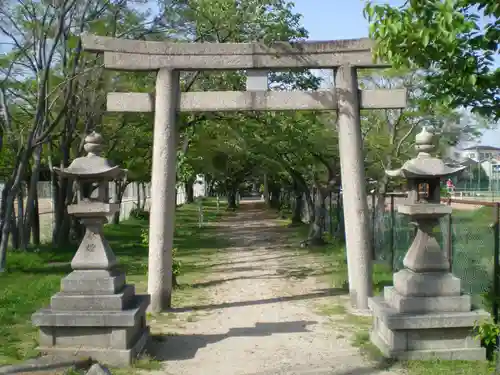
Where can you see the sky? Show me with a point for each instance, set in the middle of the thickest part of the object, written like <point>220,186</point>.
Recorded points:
<point>343,19</point>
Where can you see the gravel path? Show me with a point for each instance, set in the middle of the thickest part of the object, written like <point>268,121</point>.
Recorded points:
<point>261,319</point>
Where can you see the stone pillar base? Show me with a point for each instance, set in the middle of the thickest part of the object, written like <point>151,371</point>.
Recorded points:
<point>96,315</point>
<point>109,356</point>
<point>422,336</point>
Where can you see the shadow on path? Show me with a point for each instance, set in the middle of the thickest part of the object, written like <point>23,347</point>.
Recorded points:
<point>318,294</point>
<point>185,346</point>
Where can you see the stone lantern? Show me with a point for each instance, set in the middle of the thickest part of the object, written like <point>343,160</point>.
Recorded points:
<point>96,314</point>
<point>424,314</point>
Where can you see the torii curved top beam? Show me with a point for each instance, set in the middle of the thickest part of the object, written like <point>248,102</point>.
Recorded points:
<point>126,54</point>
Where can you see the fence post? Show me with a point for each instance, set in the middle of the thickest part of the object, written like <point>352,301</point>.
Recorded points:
<point>393,219</point>
<point>374,217</point>
<point>496,241</point>
<point>494,307</point>
<point>450,238</point>
<point>330,213</point>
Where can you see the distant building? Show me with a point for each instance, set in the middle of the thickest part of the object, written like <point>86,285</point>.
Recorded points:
<point>487,157</point>
<point>477,153</point>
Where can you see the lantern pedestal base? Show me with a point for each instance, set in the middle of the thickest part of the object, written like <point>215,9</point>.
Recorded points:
<point>110,356</point>
<point>422,336</point>
<point>95,315</point>
<point>423,305</point>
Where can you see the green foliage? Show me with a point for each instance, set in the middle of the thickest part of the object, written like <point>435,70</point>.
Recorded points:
<point>389,134</point>
<point>487,332</point>
<point>489,298</point>
<point>176,263</point>
<point>448,41</point>
<point>444,192</point>
<point>139,214</point>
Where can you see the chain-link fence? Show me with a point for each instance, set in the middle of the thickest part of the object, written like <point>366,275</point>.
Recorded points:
<point>468,235</point>
<point>333,214</point>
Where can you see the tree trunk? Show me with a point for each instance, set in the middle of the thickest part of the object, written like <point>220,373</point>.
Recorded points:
<point>120,188</point>
<point>117,199</point>
<point>297,208</point>
<point>379,224</point>
<point>315,236</point>
<point>274,202</point>
<point>310,205</point>
<point>65,198</point>
<point>138,195</point>
<point>231,199</point>
<point>144,196</point>
<point>23,244</point>
<point>3,220</point>
<point>301,190</point>
<point>14,231</point>
<point>189,189</point>
<point>3,206</point>
<point>55,205</point>
<point>62,190</point>
<point>9,219</point>
<point>62,195</point>
<point>266,191</point>
<point>32,193</point>
<point>35,225</point>
<point>211,184</point>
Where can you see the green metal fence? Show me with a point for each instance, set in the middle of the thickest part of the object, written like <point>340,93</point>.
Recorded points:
<point>467,235</point>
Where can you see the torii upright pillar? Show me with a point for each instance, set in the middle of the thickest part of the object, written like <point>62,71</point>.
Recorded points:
<point>356,214</point>
<point>163,192</point>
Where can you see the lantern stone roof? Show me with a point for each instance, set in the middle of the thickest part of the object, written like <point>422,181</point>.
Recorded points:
<point>425,165</point>
<point>92,165</point>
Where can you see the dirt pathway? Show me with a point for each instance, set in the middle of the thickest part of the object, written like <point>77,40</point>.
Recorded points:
<point>262,320</point>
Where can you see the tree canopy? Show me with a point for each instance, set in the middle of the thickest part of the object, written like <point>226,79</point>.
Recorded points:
<point>455,42</point>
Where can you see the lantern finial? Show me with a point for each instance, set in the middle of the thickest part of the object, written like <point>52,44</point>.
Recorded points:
<point>93,144</point>
<point>424,141</point>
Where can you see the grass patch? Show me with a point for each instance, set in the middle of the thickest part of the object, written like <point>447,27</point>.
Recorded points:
<point>335,258</point>
<point>438,367</point>
<point>33,277</point>
<point>361,340</point>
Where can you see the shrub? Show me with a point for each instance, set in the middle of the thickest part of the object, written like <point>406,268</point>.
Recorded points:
<point>139,213</point>
<point>487,331</point>
<point>176,263</point>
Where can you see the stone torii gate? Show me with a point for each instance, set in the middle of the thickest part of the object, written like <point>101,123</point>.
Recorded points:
<point>343,56</point>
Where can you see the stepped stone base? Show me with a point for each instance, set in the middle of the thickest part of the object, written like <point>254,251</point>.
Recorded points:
<point>420,336</point>
<point>96,314</point>
<point>109,356</point>
<point>418,305</point>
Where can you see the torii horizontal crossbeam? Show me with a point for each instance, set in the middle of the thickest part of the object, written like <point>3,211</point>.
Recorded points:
<point>226,101</point>
<point>125,54</point>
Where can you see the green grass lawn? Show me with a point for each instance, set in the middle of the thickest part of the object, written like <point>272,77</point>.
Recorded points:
<point>336,265</point>
<point>33,277</point>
